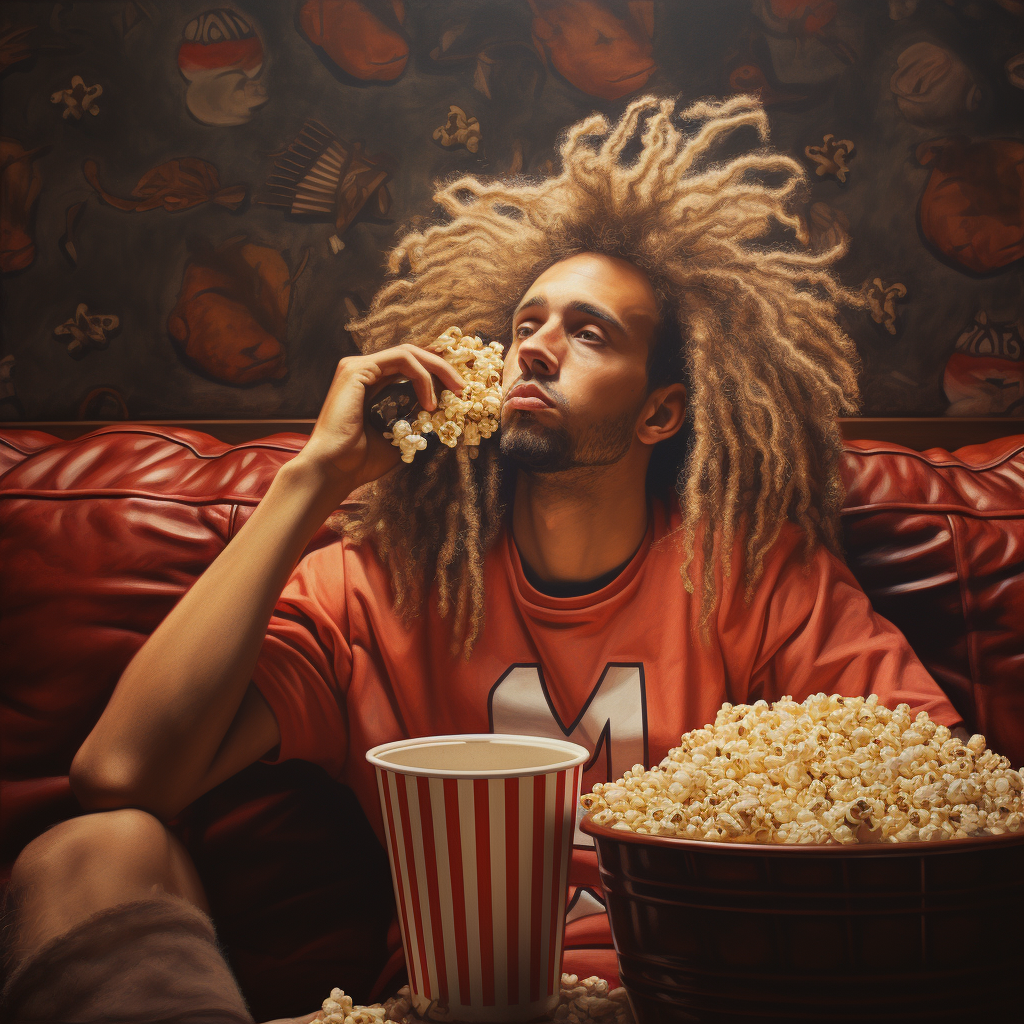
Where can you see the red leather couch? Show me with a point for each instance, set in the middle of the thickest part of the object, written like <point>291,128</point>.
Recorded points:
<point>99,536</point>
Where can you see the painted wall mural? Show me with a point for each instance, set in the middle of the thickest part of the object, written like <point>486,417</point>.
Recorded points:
<point>195,195</point>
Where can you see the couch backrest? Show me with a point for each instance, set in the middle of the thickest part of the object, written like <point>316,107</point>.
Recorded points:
<point>937,541</point>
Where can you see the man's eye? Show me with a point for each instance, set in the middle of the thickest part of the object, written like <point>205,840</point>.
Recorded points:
<point>523,331</point>
<point>588,335</point>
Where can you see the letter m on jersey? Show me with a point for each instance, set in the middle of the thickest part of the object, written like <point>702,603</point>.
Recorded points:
<point>612,724</point>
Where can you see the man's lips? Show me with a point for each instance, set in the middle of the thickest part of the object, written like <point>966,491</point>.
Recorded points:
<point>527,396</point>
<point>633,74</point>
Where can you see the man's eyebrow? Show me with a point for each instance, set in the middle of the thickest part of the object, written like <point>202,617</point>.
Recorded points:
<point>533,300</point>
<point>579,306</point>
<point>598,314</point>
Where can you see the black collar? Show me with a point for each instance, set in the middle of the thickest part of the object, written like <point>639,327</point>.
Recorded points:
<point>575,588</point>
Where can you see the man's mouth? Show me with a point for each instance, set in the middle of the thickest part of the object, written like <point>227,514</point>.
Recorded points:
<point>520,402</point>
<point>633,74</point>
<point>528,396</point>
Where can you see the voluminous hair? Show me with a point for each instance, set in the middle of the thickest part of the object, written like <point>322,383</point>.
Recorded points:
<point>753,316</point>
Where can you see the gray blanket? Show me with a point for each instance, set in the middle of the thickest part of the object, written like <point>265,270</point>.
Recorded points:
<point>154,961</point>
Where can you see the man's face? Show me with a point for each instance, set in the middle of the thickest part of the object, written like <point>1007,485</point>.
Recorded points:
<point>581,336</point>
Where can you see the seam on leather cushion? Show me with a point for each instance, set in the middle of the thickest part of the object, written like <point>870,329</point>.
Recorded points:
<point>121,495</point>
<point>939,510</point>
<point>892,451</point>
<point>27,450</point>
<point>170,438</point>
<point>29,443</point>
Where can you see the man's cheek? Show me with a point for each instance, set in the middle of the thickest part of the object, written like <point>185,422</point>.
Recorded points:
<point>508,370</point>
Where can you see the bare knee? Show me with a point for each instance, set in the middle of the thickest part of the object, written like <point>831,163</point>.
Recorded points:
<point>111,848</point>
<point>77,840</point>
<point>91,863</point>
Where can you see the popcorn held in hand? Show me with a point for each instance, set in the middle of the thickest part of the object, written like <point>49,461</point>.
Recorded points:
<point>580,1001</point>
<point>830,770</point>
<point>404,437</point>
<point>471,416</point>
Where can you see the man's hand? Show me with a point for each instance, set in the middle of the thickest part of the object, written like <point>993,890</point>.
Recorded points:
<point>341,446</point>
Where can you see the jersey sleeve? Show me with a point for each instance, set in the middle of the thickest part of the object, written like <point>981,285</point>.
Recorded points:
<point>816,631</point>
<point>305,664</point>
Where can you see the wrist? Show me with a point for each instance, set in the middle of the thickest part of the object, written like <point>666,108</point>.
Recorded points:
<point>321,483</point>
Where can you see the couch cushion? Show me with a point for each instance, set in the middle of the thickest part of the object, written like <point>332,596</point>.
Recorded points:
<point>99,537</point>
<point>937,541</point>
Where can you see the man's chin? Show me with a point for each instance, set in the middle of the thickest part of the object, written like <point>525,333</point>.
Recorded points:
<point>534,451</point>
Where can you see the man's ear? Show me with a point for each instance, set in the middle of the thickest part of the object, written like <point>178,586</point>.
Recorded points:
<point>663,414</point>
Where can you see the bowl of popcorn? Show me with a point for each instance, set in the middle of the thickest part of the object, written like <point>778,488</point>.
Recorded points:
<point>831,860</point>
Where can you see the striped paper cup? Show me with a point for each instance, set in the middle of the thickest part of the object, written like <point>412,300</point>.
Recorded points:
<point>479,831</point>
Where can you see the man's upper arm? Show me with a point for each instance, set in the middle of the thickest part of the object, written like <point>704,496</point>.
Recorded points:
<point>303,671</point>
<point>252,735</point>
<point>821,634</point>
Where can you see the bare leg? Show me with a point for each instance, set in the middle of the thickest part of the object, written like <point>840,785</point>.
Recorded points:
<point>89,864</point>
<point>100,862</point>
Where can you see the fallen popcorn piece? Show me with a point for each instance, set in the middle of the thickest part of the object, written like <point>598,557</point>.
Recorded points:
<point>833,769</point>
<point>471,416</point>
<point>339,1008</point>
<point>580,1001</point>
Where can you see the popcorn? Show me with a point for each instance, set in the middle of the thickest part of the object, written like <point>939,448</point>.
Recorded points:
<point>472,416</point>
<point>830,770</point>
<point>339,1008</point>
<point>580,1001</point>
<point>590,999</point>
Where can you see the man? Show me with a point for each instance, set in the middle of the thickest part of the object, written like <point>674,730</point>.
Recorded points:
<point>652,349</point>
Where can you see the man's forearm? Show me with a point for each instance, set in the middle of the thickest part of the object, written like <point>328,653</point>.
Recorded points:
<point>168,717</point>
<point>182,717</point>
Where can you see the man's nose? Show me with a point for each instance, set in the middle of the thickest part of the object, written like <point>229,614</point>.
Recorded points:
<point>540,353</point>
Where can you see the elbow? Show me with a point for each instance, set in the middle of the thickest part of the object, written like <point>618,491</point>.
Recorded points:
<point>97,785</point>
<point>104,784</point>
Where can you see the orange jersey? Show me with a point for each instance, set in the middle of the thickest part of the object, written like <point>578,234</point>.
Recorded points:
<point>622,671</point>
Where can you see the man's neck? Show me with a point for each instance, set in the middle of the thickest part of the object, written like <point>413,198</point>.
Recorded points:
<point>579,524</point>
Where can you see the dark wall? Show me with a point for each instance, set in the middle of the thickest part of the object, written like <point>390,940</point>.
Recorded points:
<point>227,307</point>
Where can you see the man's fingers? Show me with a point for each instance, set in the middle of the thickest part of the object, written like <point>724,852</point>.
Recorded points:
<point>417,365</point>
<point>451,377</point>
<point>420,377</point>
<point>417,376</point>
<point>439,367</point>
<point>408,356</point>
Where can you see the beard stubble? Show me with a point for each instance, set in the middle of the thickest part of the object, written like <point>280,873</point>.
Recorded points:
<point>538,448</point>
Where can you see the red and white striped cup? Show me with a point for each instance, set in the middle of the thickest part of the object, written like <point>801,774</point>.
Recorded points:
<point>479,831</point>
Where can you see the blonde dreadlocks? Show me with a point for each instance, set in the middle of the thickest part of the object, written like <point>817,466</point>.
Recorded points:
<point>766,365</point>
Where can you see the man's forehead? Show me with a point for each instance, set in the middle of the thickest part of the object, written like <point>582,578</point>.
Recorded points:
<point>624,288</point>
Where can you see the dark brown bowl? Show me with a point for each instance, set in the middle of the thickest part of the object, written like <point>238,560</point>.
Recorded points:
<point>714,932</point>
